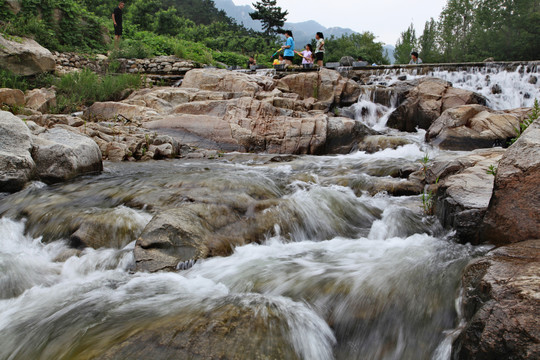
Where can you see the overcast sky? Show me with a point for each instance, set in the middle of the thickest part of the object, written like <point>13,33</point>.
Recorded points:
<point>385,18</point>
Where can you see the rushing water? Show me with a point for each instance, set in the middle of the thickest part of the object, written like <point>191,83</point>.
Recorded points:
<point>357,276</point>
<point>347,271</point>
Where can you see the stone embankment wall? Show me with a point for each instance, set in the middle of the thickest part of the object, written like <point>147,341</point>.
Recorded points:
<point>160,67</point>
<point>173,68</point>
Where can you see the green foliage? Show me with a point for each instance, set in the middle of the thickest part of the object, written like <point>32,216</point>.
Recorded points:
<point>492,170</point>
<point>355,45</point>
<point>12,81</point>
<point>230,58</point>
<point>429,51</point>
<point>523,125</point>
<point>78,89</point>
<point>405,45</point>
<point>270,15</point>
<point>57,24</point>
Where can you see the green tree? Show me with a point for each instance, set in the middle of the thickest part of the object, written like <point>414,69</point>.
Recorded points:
<point>456,25</point>
<point>405,45</point>
<point>355,45</point>
<point>271,16</point>
<point>429,52</point>
<point>168,22</point>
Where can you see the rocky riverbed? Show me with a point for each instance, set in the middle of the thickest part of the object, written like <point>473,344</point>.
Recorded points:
<point>322,170</point>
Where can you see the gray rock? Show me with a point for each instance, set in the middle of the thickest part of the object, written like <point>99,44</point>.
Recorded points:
<point>500,304</point>
<point>470,127</point>
<point>61,155</point>
<point>26,57</point>
<point>16,163</point>
<point>463,195</point>
<point>420,105</point>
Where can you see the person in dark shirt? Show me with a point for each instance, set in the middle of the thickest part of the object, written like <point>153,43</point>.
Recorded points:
<point>117,21</point>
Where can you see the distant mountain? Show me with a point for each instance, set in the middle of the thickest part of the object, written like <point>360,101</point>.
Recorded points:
<point>240,13</point>
<point>390,51</point>
<point>303,31</point>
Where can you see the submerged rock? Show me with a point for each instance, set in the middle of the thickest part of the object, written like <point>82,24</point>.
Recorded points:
<point>16,163</point>
<point>228,330</point>
<point>470,127</point>
<point>501,305</point>
<point>193,231</point>
<point>513,214</point>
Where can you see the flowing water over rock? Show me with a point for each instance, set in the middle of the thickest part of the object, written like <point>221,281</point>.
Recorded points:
<point>333,268</point>
<point>343,274</point>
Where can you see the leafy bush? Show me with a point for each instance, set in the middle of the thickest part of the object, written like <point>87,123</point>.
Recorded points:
<point>523,125</point>
<point>231,58</point>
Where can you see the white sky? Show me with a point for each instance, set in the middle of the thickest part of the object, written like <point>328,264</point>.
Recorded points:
<point>385,18</point>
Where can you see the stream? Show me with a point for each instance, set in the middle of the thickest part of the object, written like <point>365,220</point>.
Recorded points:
<point>345,273</point>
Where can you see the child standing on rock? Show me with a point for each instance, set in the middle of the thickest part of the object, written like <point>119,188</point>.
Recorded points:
<point>288,54</point>
<point>319,48</point>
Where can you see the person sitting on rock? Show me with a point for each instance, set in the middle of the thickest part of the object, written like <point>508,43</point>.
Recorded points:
<point>415,59</point>
<point>251,62</point>
<point>279,60</point>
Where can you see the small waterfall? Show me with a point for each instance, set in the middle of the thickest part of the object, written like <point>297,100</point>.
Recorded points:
<point>504,89</point>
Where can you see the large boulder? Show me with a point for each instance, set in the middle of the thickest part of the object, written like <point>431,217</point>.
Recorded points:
<point>513,214</point>
<point>227,81</point>
<point>62,155</point>
<point>41,100</point>
<point>16,163</point>
<point>327,86</point>
<point>501,305</point>
<point>247,124</point>
<point>11,97</point>
<point>470,127</point>
<point>427,101</point>
<point>464,190</point>
<point>25,57</point>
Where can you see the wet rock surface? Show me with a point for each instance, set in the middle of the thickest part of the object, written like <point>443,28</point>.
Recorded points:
<point>464,190</point>
<point>513,214</point>
<point>471,127</point>
<point>426,101</point>
<point>223,331</point>
<point>501,305</point>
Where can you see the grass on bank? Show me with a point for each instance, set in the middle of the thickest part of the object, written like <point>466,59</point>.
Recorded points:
<point>79,89</point>
<point>76,90</point>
